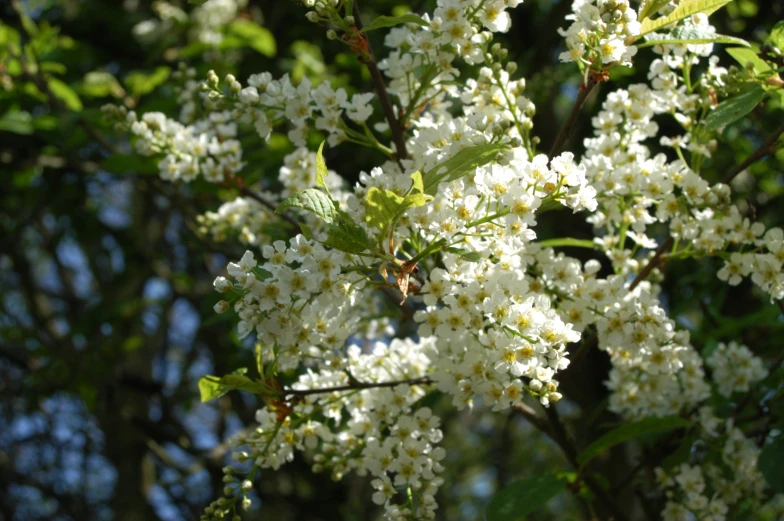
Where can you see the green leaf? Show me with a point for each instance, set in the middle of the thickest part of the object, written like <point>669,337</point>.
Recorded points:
<point>133,163</point>
<point>346,235</point>
<point>53,67</point>
<point>391,21</point>
<point>211,387</point>
<point>771,464</point>
<point>259,360</point>
<point>464,162</point>
<point>734,108</point>
<point>631,431</point>
<point>384,208</point>
<point>99,84</point>
<point>253,35</point>
<point>66,94</point>
<point>523,497</point>
<point>685,9</point>
<point>321,168</point>
<point>746,56</point>
<point>691,36</point>
<point>380,207</point>
<point>470,256</point>
<point>312,200</point>
<point>140,83</point>
<point>650,8</point>
<point>776,38</point>
<point>17,121</point>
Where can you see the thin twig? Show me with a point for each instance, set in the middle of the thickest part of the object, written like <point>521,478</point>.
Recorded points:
<point>357,386</point>
<point>766,149</point>
<point>666,245</point>
<point>247,192</point>
<point>568,126</point>
<point>378,82</point>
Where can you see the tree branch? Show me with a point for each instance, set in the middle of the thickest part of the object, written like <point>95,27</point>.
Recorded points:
<point>663,247</point>
<point>566,129</point>
<point>395,127</point>
<point>357,386</point>
<point>247,192</point>
<point>766,149</point>
<point>554,428</point>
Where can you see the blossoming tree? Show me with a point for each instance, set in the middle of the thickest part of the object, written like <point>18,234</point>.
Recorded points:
<point>434,282</point>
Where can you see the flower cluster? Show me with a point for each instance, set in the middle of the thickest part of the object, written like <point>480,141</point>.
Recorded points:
<point>207,147</point>
<point>243,217</point>
<point>598,34</point>
<point>299,300</point>
<point>655,370</point>
<point>266,102</point>
<point>206,21</point>
<point>372,432</point>
<point>714,488</point>
<point>735,368</point>
<point>456,246</point>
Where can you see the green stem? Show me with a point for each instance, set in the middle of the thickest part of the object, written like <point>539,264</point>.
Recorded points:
<point>569,241</point>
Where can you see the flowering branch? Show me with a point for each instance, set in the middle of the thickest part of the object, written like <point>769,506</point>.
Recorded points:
<point>566,129</point>
<point>378,82</point>
<point>357,385</point>
<point>766,149</point>
<point>666,245</point>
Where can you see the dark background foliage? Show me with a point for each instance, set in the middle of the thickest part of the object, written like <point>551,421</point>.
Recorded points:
<point>106,288</point>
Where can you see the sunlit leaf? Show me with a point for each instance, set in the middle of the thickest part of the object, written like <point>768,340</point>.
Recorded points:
<point>313,200</point>
<point>691,36</point>
<point>464,162</point>
<point>685,9</point>
<point>734,108</point>
<point>140,83</point>
<point>391,21</point>
<point>253,35</point>
<point>66,94</point>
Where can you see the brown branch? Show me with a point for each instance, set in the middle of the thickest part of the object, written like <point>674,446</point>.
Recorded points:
<point>554,428</point>
<point>654,262</point>
<point>357,386</point>
<point>378,82</point>
<point>566,129</point>
<point>766,149</point>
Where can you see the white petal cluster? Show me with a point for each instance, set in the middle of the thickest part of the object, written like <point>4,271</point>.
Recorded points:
<point>373,432</point>
<point>495,313</point>
<point>717,487</point>
<point>243,218</point>
<point>599,31</point>
<point>655,370</point>
<point>266,102</point>
<point>298,301</point>
<point>206,21</point>
<point>206,148</point>
<point>735,368</point>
